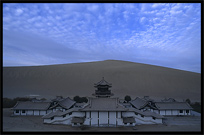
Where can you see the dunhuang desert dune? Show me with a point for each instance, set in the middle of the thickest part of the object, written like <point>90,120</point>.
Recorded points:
<point>127,78</point>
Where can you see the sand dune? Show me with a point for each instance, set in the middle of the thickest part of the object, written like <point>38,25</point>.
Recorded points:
<point>127,78</point>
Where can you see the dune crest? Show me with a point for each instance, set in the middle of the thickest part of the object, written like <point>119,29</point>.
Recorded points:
<point>127,78</point>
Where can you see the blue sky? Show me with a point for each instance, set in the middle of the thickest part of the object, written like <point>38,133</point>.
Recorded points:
<point>164,34</point>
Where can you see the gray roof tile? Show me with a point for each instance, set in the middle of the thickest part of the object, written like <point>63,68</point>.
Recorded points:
<point>28,105</point>
<point>103,82</point>
<point>104,104</point>
<point>65,103</point>
<point>138,103</point>
<point>146,113</point>
<point>59,113</point>
<point>172,105</point>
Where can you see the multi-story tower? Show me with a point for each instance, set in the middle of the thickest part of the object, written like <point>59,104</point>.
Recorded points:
<point>103,89</point>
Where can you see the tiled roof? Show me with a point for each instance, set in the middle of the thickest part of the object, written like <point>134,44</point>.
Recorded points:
<point>103,104</point>
<point>103,82</point>
<point>65,103</point>
<point>146,113</point>
<point>128,120</point>
<point>138,103</point>
<point>59,113</point>
<point>172,105</point>
<point>28,105</point>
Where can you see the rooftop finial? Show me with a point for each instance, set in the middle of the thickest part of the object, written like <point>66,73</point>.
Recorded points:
<point>103,78</point>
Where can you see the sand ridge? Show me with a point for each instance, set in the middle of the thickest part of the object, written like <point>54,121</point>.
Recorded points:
<point>127,78</point>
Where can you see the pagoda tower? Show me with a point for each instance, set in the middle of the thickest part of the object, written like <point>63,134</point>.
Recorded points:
<point>102,89</point>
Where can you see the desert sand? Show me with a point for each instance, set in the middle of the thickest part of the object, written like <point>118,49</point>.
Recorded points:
<point>35,123</point>
<point>127,78</point>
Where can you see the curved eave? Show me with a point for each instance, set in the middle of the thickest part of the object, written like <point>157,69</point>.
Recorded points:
<point>96,86</point>
<point>112,110</point>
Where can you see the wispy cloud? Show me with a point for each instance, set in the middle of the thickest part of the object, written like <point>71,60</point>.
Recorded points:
<point>166,34</point>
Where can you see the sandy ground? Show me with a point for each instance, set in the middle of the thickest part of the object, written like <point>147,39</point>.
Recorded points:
<point>127,78</point>
<point>35,123</point>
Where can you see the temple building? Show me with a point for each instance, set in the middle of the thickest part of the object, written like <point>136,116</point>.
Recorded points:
<point>31,108</point>
<point>103,89</point>
<point>103,110</point>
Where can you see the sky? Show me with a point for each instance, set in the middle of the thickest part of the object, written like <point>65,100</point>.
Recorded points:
<point>163,34</point>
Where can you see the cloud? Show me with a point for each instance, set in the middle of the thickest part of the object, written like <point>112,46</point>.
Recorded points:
<point>26,45</point>
<point>93,7</point>
<point>145,7</point>
<point>156,5</point>
<point>19,12</point>
<point>158,33</point>
<point>142,20</point>
<point>126,15</point>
